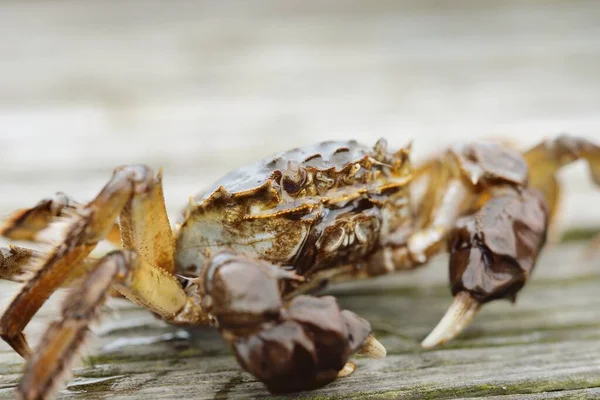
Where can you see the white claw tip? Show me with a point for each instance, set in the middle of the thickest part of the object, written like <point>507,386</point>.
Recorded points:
<point>347,370</point>
<point>458,317</point>
<point>372,348</point>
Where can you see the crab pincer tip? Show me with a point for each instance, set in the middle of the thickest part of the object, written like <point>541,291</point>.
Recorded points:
<point>372,348</point>
<point>459,316</point>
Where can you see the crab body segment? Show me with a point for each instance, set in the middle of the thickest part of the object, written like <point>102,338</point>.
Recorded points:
<point>310,209</point>
<point>248,249</point>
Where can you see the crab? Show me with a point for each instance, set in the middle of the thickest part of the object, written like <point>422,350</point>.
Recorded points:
<point>250,253</point>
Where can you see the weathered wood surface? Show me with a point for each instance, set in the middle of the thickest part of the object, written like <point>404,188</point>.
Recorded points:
<point>548,346</point>
<point>201,87</point>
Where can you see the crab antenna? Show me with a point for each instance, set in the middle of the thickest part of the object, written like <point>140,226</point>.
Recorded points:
<point>458,317</point>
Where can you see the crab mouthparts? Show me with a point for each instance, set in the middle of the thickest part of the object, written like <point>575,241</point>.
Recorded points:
<point>458,317</point>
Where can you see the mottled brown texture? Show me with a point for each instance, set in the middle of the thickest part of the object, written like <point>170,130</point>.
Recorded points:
<point>16,263</point>
<point>306,348</point>
<point>242,293</point>
<point>489,163</point>
<point>144,225</point>
<point>493,252</point>
<point>299,207</point>
<point>300,345</point>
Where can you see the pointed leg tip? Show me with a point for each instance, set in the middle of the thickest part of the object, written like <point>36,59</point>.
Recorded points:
<point>19,344</point>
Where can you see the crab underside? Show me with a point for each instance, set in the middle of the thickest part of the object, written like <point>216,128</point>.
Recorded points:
<point>249,253</point>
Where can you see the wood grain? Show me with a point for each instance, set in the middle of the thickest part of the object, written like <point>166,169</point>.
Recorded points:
<point>200,87</point>
<point>548,342</point>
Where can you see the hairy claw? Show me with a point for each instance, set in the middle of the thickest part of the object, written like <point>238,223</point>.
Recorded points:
<point>63,338</point>
<point>458,317</point>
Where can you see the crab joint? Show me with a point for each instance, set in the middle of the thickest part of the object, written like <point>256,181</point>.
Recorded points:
<point>458,317</point>
<point>372,348</point>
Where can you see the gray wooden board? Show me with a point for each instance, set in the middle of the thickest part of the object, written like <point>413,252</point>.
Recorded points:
<point>547,346</point>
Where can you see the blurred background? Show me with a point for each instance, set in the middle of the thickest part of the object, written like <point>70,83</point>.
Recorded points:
<point>201,87</point>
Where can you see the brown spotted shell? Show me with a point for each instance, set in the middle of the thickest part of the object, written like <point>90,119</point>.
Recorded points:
<point>268,210</point>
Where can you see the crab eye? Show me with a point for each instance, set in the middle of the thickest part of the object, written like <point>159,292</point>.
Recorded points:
<point>293,178</point>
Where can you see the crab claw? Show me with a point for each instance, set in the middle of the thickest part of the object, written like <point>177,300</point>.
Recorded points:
<point>371,348</point>
<point>492,253</point>
<point>458,317</point>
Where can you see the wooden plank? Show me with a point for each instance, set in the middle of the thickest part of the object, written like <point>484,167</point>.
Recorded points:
<point>549,341</point>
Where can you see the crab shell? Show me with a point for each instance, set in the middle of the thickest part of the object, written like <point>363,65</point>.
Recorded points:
<point>309,208</point>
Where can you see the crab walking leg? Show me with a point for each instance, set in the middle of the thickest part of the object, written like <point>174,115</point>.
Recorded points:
<point>145,227</point>
<point>476,202</point>
<point>294,345</point>
<point>443,190</point>
<point>494,250</point>
<point>26,223</point>
<point>130,274</point>
<point>16,263</point>
<point>93,223</point>
<point>19,264</point>
<point>548,157</point>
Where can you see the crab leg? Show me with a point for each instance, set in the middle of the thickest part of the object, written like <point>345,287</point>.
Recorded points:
<point>443,190</point>
<point>548,157</point>
<point>129,189</point>
<point>460,314</point>
<point>92,224</point>
<point>131,275</point>
<point>493,247</point>
<point>19,264</point>
<point>56,351</point>
<point>493,253</point>
<point>141,274</point>
<point>16,263</point>
<point>494,250</point>
<point>25,224</point>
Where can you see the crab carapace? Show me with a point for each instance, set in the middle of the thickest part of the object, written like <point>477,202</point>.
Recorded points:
<point>249,252</point>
